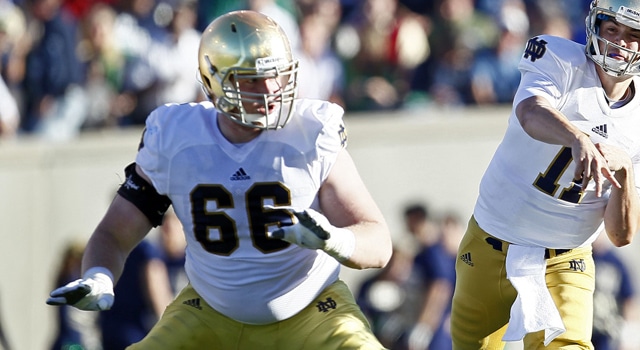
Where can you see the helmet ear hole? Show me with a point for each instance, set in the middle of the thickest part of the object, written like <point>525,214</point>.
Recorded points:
<point>205,81</point>
<point>212,69</point>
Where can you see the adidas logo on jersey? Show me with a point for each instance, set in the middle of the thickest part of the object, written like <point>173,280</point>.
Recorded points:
<point>601,130</point>
<point>194,303</point>
<point>240,175</point>
<point>466,258</point>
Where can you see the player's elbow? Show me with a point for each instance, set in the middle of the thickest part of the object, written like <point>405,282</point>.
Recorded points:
<point>621,238</point>
<point>383,258</point>
<point>385,255</point>
<point>621,242</point>
<point>370,255</point>
<point>370,263</point>
<point>385,250</point>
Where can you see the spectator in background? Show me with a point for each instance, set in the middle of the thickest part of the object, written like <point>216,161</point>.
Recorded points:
<point>81,8</point>
<point>321,75</point>
<point>381,43</point>
<point>138,34</point>
<point>331,11</point>
<point>435,266</point>
<point>614,303</point>
<point>14,45</point>
<point>9,113</point>
<point>176,59</point>
<point>173,244</point>
<point>389,297</point>
<point>104,62</point>
<point>152,16</point>
<point>55,103</point>
<point>143,293</point>
<point>282,15</point>
<point>576,15</point>
<point>76,328</point>
<point>208,10</point>
<point>552,17</point>
<point>459,32</point>
<point>420,6</point>
<point>494,74</point>
<point>420,225</point>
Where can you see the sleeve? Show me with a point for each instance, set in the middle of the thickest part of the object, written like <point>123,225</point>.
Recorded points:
<point>151,157</point>
<point>545,68</point>
<point>334,133</point>
<point>333,136</point>
<point>636,171</point>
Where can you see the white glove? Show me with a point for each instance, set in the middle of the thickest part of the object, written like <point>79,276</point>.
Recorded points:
<point>420,337</point>
<point>94,291</point>
<point>313,231</point>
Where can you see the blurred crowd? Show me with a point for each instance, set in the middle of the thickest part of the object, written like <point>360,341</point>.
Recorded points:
<point>74,65</point>
<point>408,303</point>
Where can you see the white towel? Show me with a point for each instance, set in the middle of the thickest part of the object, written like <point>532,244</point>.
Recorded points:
<point>534,309</point>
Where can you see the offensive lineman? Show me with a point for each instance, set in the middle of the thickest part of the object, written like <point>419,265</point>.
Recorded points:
<point>247,175</point>
<point>565,171</point>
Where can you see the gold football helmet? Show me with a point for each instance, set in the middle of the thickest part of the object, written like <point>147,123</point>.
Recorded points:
<point>248,45</point>
<point>626,12</point>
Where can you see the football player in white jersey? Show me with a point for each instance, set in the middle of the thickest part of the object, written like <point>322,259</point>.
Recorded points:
<point>566,170</point>
<point>270,201</point>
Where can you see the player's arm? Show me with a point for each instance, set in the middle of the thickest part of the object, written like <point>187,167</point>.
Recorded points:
<point>133,212</point>
<point>622,215</point>
<point>350,228</point>
<point>347,203</point>
<point>131,215</point>
<point>119,231</point>
<point>544,123</point>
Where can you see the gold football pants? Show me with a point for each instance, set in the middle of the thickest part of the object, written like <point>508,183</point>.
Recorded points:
<point>483,295</point>
<point>332,321</point>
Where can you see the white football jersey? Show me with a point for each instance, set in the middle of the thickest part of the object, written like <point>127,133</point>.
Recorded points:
<point>229,196</point>
<point>527,196</point>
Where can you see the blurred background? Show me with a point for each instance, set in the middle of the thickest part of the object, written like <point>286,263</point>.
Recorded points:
<point>426,86</point>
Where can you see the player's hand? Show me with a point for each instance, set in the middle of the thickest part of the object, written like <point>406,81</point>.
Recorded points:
<point>92,292</point>
<point>617,159</point>
<point>591,164</point>
<point>312,230</point>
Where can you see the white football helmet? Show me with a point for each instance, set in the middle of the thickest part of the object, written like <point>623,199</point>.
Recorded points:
<point>626,12</point>
<point>250,45</point>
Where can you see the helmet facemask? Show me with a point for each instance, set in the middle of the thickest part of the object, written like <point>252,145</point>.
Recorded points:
<point>600,49</point>
<point>233,102</point>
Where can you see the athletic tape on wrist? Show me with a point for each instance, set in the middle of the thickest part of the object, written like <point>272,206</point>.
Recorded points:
<point>341,244</point>
<point>97,273</point>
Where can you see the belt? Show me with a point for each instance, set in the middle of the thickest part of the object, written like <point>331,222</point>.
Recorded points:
<point>501,246</point>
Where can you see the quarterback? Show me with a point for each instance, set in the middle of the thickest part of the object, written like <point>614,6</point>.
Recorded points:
<point>565,171</point>
<point>269,198</point>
